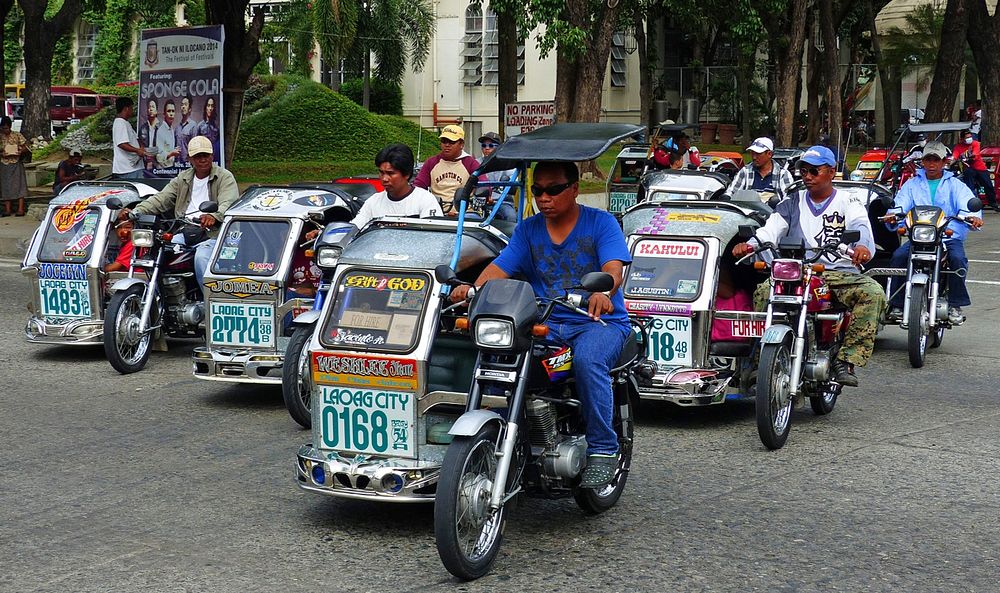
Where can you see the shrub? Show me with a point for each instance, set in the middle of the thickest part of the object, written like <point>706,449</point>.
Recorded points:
<point>385,98</point>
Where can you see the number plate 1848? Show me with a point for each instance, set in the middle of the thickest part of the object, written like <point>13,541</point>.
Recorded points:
<point>371,422</point>
<point>670,341</point>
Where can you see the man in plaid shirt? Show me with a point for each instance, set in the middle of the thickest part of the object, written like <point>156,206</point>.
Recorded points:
<point>761,174</point>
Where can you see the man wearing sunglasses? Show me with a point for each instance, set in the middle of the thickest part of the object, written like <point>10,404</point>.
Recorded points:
<point>448,170</point>
<point>489,143</point>
<point>818,215</point>
<point>552,250</point>
<point>933,186</point>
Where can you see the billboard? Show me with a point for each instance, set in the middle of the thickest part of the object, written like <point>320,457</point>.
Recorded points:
<point>522,117</point>
<point>180,95</point>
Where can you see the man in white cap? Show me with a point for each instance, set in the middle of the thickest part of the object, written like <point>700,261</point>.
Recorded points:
<point>448,170</point>
<point>761,174</point>
<point>203,182</point>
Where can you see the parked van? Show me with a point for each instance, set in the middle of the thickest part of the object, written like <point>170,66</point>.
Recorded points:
<point>70,104</point>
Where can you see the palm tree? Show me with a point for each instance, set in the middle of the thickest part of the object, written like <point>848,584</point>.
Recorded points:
<point>915,48</point>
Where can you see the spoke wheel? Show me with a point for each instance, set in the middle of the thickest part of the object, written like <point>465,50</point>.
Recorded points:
<point>918,326</point>
<point>774,394</point>
<point>822,404</point>
<point>467,532</point>
<point>597,501</point>
<point>125,346</point>
<point>296,376</point>
<point>937,337</point>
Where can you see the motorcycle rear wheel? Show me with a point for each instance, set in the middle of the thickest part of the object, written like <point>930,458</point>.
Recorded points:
<point>296,382</point>
<point>774,418</point>
<point>917,326</point>
<point>596,501</point>
<point>467,534</point>
<point>126,349</point>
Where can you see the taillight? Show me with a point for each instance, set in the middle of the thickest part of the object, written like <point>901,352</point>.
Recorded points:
<point>786,269</point>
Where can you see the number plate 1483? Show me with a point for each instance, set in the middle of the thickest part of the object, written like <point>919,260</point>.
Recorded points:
<point>365,421</point>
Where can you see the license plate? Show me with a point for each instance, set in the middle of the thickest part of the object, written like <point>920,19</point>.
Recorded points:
<point>670,341</point>
<point>64,298</point>
<point>748,328</point>
<point>621,201</point>
<point>368,421</point>
<point>242,324</point>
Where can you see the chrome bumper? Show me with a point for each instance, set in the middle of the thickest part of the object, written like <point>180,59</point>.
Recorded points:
<point>237,367</point>
<point>370,478</point>
<point>688,387</point>
<point>85,332</point>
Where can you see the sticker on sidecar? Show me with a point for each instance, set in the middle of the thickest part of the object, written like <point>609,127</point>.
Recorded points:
<point>748,328</point>
<point>665,308</point>
<point>670,341</point>
<point>242,324</point>
<point>60,298</point>
<point>364,371</point>
<point>621,201</point>
<point>368,421</point>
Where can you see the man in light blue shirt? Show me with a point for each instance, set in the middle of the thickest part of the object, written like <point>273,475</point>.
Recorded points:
<point>933,186</point>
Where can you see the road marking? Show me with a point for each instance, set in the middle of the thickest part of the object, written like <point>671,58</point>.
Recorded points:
<point>985,261</point>
<point>990,282</point>
<point>10,263</point>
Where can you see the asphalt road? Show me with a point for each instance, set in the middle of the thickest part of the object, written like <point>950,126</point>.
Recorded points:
<point>158,482</point>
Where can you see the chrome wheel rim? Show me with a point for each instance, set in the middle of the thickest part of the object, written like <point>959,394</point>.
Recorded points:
<point>131,343</point>
<point>781,403</point>
<point>476,526</point>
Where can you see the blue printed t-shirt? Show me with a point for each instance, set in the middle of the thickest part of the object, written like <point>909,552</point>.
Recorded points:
<point>549,268</point>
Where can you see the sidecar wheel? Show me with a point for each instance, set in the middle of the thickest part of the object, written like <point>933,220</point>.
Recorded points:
<point>774,399</point>
<point>822,403</point>
<point>594,502</point>
<point>937,337</point>
<point>296,378</point>
<point>917,326</point>
<point>127,350</point>
<point>467,534</point>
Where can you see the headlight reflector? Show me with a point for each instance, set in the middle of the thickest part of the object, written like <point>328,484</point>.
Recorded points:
<point>328,256</point>
<point>142,238</point>
<point>923,234</point>
<point>786,269</point>
<point>494,333</point>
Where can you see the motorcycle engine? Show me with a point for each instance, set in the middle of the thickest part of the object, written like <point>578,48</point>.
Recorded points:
<point>563,457</point>
<point>942,309</point>
<point>177,303</point>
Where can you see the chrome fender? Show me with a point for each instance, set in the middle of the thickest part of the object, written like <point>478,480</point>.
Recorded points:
<point>469,423</point>
<point>125,284</point>
<point>919,278</point>
<point>775,334</point>
<point>306,318</point>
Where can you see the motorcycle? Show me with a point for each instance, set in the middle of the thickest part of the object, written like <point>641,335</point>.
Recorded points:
<point>537,445</point>
<point>925,310</point>
<point>804,332</point>
<point>168,303</point>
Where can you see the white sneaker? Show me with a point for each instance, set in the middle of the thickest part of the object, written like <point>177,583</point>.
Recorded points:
<point>955,316</point>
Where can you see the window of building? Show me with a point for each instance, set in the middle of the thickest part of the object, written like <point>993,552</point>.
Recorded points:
<point>618,65</point>
<point>85,52</point>
<point>491,53</point>
<point>472,47</point>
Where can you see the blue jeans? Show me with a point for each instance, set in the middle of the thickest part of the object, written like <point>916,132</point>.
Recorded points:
<point>958,294</point>
<point>974,178</point>
<point>202,253</point>
<point>596,348</point>
<point>137,174</point>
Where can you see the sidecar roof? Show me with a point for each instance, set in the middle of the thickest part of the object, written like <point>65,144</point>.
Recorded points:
<point>572,142</point>
<point>280,201</point>
<point>947,126</point>
<point>98,193</point>
<point>694,218</point>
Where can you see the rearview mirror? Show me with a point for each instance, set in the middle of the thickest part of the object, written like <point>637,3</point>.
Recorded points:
<point>974,205</point>
<point>773,201</point>
<point>444,274</point>
<point>745,232</point>
<point>887,200</point>
<point>209,207</point>
<point>852,236</point>
<point>461,195</point>
<point>115,203</point>
<point>597,282</point>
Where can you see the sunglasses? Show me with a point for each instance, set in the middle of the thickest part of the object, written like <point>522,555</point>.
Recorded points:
<point>552,190</point>
<point>488,145</point>
<point>813,171</point>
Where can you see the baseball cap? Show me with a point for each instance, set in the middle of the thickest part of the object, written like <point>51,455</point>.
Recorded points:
<point>818,155</point>
<point>199,145</point>
<point>490,137</point>
<point>935,148</point>
<point>75,152</point>
<point>453,133</point>
<point>762,144</point>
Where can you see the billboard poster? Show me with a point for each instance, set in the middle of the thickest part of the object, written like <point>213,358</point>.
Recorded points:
<point>180,95</point>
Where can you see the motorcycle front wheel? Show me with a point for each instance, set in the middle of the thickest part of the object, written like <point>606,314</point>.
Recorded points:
<point>917,326</point>
<point>467,533</point>
<point>296,380</point>
<point>774,399</point>
<point>126,348</point>
<point>596,501</point>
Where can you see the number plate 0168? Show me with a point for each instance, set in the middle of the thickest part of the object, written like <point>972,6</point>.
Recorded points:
<point>366,421</point>
<point>242,324</point>
<point>670,341</point>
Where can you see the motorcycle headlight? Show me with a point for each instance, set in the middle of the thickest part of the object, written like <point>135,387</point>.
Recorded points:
<point>494,333</point>
<point>923,234</point>
<point>857,175</point>
<point>142,238</point>
<point>327,256</point>
<point>786,269</point>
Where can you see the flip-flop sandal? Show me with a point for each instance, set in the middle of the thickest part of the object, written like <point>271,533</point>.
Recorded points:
<point>600,471</point>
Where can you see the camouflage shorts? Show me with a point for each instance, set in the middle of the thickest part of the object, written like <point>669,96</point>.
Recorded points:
<point>863,296</point>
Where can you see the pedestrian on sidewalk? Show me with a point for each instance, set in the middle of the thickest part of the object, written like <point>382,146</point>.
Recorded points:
<point>128,155</point>
<point>13,181</point>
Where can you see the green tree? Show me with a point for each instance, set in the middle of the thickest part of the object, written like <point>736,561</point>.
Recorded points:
<point>43,27</point>
<point>914,49</point>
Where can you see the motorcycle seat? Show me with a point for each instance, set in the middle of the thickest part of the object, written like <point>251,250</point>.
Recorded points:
<point>629,351</point>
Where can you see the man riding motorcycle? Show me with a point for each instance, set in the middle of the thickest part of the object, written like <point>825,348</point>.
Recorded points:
<point>761,174</point>
<point>818,216</point>
<point>552,250</point>
<point>933,186</point>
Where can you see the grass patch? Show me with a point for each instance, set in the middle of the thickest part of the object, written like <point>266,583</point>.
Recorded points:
<point>269,172</point>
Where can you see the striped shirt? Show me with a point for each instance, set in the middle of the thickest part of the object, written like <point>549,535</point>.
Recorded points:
<point>745,177</point>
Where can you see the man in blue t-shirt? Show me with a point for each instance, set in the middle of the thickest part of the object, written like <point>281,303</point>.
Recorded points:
<point>552,250</point>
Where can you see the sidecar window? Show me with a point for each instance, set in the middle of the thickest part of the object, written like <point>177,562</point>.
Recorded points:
<point>251,247</point>
<point>669,269</point>
<point>69,234</point>
<point>421,249</point>
<point>376,309</point>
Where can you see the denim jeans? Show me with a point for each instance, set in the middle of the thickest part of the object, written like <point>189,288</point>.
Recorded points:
<point>596,348</point>
<point>958,294</point>
<point>972,178</point>
<point>202,253</point>
<point>137,174</point>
